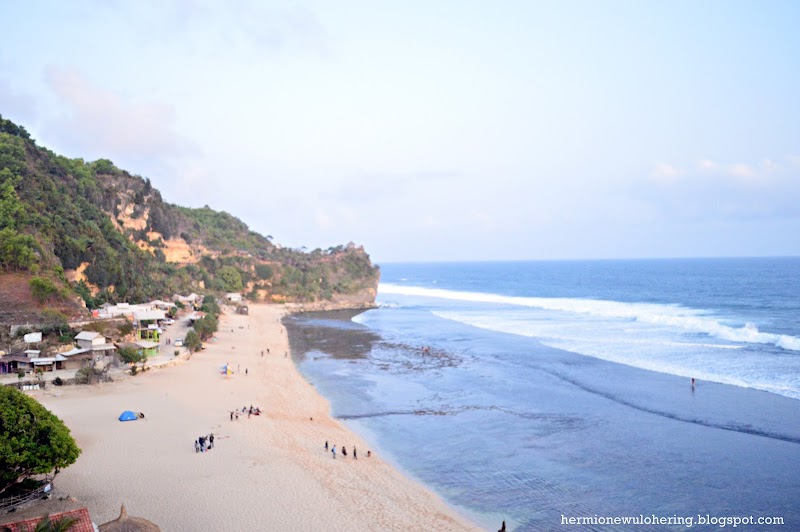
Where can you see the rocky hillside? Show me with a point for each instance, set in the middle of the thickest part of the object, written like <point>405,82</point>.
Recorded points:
<point>91,232</point>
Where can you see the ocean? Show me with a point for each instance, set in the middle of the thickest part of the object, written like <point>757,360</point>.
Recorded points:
<point>535,392</point>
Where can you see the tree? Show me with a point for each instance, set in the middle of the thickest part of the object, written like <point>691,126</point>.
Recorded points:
<point>231,278</point>
<point>207,326</point>
<point>33,441</point>
<point>17,250</point>
<point>193,341</point>
<point>11,208</point>
<point>133,356</point>
<point>264,272</point>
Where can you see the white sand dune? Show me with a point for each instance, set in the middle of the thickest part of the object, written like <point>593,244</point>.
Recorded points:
<point>269,472</point>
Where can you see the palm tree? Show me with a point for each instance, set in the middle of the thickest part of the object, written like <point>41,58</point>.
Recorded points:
<point>61,525</point>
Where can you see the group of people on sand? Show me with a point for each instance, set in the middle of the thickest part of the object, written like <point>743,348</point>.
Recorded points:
<point>344,451</point>
<point>204,443</point>
<point>252,411</point>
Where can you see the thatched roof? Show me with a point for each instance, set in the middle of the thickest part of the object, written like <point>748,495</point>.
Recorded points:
<point>126,523</point>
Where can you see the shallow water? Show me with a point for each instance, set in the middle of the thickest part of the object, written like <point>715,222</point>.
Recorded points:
<point>511,425</point>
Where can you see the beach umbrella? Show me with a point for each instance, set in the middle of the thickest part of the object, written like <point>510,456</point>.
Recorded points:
<point>126,523</point>
<point>128,416</point>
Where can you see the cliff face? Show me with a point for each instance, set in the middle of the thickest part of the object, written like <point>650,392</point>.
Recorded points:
<point>98,232</point>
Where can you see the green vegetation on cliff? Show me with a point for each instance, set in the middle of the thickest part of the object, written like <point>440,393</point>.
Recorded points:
<point>92,230</point>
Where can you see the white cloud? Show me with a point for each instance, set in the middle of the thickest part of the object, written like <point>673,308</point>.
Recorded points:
<point>741,170</point>
<point>723,191</point>
<point>707,164</point>
<point>103,123</point>
<point>666,173</point>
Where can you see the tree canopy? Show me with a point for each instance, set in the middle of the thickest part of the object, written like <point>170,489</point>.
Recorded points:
<point>33,441</point>
<point>129,355</point>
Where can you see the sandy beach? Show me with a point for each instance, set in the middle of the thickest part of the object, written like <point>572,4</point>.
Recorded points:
<point>265,472</point>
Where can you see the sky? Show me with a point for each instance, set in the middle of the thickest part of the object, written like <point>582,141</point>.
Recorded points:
<point>435,130</point>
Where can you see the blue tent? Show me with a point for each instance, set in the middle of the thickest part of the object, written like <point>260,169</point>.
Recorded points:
<point>128,416</point>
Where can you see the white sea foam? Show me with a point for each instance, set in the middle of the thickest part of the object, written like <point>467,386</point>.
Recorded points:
<point>643,345</point>
<point>672,316</point>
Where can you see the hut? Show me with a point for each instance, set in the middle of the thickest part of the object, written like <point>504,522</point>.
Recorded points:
<point>126,523</point>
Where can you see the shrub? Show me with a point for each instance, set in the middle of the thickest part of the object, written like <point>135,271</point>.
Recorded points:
<point>42,289</point>
<point>83,375</point>
<point>125,328</point>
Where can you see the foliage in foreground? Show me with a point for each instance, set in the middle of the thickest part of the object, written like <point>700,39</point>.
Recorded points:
<point>33,441</point>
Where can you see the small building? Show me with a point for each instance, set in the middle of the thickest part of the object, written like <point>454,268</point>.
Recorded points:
<point>191,299</point>
<point>48,363</point>
<point>75,358</point>
<point>91,346</point>
<point>161,305</point>
<point>147,324</point>
<point>89,339</point>
<point>149,349</point>
<point>233,297</point>
<point>14,363</point>
<point>32,353</point>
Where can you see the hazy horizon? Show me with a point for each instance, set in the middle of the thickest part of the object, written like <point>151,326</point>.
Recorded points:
<point>438,132</point>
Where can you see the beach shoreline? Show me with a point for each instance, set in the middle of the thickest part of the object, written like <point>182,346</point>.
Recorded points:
<point>268,470</point>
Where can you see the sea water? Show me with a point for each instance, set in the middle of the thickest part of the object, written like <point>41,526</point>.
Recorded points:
<point>538,391</point>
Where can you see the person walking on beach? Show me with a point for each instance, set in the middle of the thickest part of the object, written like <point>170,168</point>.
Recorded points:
<point>231,415</point>
<point>344,451</point>
<point>333,450</point>
<point>245,371</point>
<point>211,440</point>
<point>326,445</point>
<point>196,446</point>
<point>355,456</point>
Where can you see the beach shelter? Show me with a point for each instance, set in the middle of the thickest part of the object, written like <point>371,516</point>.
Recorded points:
<point>126,523</point>
<point>128,416</point>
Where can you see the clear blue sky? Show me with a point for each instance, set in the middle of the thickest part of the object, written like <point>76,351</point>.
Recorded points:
<point>435,130</point>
